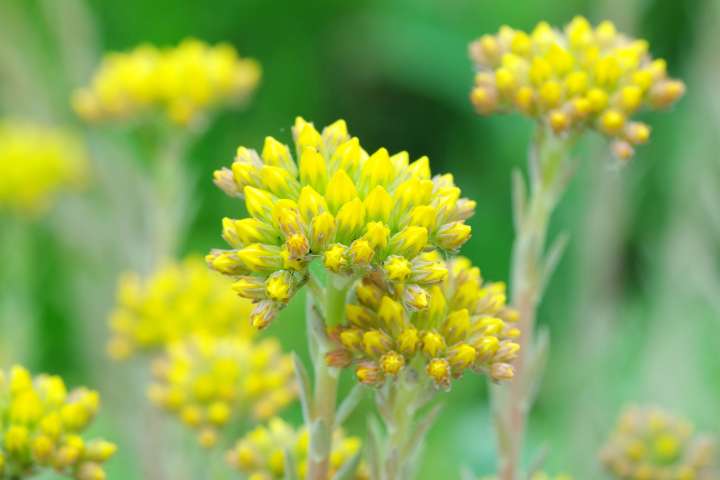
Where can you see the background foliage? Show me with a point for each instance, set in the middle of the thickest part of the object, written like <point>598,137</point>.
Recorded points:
<point>632,310</point>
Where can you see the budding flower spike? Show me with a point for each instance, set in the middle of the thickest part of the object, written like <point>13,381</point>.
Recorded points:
<point>42,426</point>
<point>464,324</point>
<point>37,163</point>
<point>352,211</point>
<point>649,443</point>
<point>573,79</point>
<point>182,83</point>
<point>210,382</point>
<point>266,452</point>
<point>178,300</point>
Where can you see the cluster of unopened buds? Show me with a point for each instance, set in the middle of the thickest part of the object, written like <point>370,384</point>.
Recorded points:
<point>650,444</point>
<point>209,382</point>
<point>353,211</point>
<point>37,162</point>
<point>267,452</point>
<point>42,425</point>
<point>571,79</point>
<point>462,324</point>
<point>182,83</point>
<point>177,300</point>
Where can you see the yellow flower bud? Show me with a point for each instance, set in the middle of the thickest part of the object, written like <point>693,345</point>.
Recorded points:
<point>409,241</point>
<point>376,342</point>
<point>335,259</point>
<point>461,357</point>
<point>279,286</point>
<point>432,344</point>
<point>313,170</point>
<point>611,122</point>
<point>439,370</point>
<point>397,268</point>
<point>391,363</point>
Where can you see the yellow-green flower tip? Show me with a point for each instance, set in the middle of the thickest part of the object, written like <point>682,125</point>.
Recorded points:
<point>178,300</point>
<point>208,382</point>
<point>650,443</point>
<point>464,324</point>
<point>43,426</point>
<point>355,212</point>
<point>572,79</point>
<point>149,80</point>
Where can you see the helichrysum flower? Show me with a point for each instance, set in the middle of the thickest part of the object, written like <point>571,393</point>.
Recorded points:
<point>42,425</point>
<point>571,79</point>
<point>183,82</point>
<point>260,455</point>
<point>36,163</point>
<point>352,211</point>
<point>209,382</point>
<point>650,444</point>
<point>465,325</point>
<point>179,299</point>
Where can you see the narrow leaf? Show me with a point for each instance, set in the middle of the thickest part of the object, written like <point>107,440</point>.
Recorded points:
<point>552,259</point>
<point>319,438</point>
<point>539,357</point>
<point>347,472</point>
<point>374,449</point>
<point>519,198</point>
<point>303,380</point>
<point>424,425</point>
<point>347,406</point>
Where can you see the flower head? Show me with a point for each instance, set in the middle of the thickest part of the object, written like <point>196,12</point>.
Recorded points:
<point>207,382</point>
<point>182,83</point>
<point>353,211</point>
<point>37,163</point>
<point>260,455</point>
<point>42,428</point>
<point>580,77</point>
<point>466,325</point>
<point>648,443</point>
<point>178,300</point>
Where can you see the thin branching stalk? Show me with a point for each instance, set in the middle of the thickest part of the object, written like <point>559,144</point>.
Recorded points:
<point>321,313</point>
<point>550,168</point>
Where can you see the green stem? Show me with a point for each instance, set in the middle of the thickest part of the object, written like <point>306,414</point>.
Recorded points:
<point>399,402</point>
<point>172,194</point>
<point>326,378</point>
<point>550,168</point>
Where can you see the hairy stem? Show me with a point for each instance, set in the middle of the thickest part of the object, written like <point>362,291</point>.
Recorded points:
<point>550,168</point>
<point>326,378</point>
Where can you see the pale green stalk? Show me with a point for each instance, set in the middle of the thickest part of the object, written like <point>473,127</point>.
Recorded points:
<point>399,403</point>
<point>550,168</point>
<point>321,313</point>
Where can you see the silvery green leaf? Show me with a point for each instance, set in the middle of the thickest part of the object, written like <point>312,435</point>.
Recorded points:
<point>303,380</point>
<point>519,197</point>
<point>552,259</point>
<point>347,472</point>
<point>347,406</point>
<point>539,354</point>
<point>374,449</point>
<point>422,429</point>
<point>319,439</point>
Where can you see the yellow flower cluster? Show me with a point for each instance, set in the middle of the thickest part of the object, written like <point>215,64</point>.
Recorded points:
<point>41,428</point>
<point>182,82</point>
<point>179,299</point>
<point>649,444</point>
<point>466,325</point>
<point>571,79</point>
<point>37,162</point>
<point>261,454</point>
<point>209,382</point>
<point>354,211</point>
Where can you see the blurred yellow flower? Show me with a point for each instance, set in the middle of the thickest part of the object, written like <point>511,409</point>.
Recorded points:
<point>37,162</point>
<point>580,77</point>
<point>182,83</point>
<point>209,382</point>
<point>464,324</point>
<point>179,299</point>
<point>41,428</point>
<point>649,444</point>
<point>353,211</point>
<point>261,454</point>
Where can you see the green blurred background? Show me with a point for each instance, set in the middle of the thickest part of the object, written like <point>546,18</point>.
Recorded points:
<point>632,309</point>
